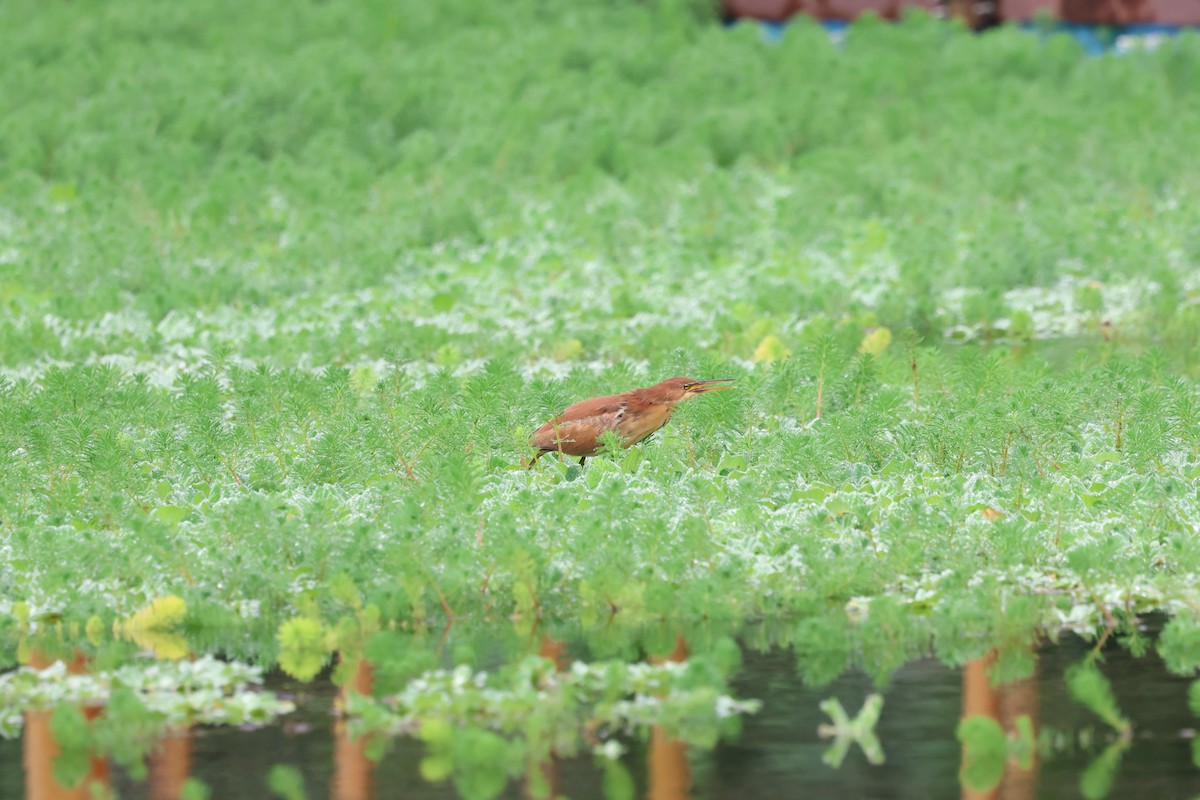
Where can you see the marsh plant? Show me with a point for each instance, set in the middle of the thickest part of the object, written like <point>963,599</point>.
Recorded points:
<point>285,295</point>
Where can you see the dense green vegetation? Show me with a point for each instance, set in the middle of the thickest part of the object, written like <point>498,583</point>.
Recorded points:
<point>285,292</point>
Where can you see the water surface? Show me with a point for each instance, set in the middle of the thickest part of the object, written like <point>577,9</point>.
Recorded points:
<point>778,753</point>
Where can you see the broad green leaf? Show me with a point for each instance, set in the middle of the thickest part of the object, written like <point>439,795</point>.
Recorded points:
<point>303,647</point>
<point>618,783</point>
<point>286,782</point>
<point>172,515</point>
<point>771,348</point>
<point>985,751</point>
<point>1093,690</point>
<point>74,739</point>
<point>1097,779</point>
<point>876,341</point>
<point>195,789</point>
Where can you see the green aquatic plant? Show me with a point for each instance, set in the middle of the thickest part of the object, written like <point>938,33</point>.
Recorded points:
<point>995,477</point>
<point>286,782</point>
<point>1090,688</point>
<point>174,693</point>
<point>988,747</point>
<point>846,732</point>
<point>138,703</point>
<point>484,729</point>
<point>269,359</point>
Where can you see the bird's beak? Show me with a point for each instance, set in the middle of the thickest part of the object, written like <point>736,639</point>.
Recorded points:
<point>700,387</point>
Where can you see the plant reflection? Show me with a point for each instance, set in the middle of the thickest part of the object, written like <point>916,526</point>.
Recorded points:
<point>547,782</point>
<point>353,770</point>
<point>1005,705</point>
<point>41,749</point>
<point>170,765</point>
<point>670,774</point>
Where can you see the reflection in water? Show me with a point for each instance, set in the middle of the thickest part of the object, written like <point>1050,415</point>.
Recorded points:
<point>670,774</point>
<point>776,754</point>
<point>41,749</point>
<point>1004,704</point>
<point>1018,698</point>
<point>548,783</point>
<point>353,772</point>
<point>555,650</point>
<point>170,764</point>
<point>980,698</point>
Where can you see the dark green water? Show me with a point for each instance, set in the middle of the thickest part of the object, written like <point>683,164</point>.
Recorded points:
<point>778,754</point>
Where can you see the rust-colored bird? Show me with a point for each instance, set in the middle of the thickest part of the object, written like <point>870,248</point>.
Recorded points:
<point>634,415</point>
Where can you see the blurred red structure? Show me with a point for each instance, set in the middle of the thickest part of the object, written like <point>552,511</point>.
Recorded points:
<point>779,10</point>
<point>982,12</point>
<point>1107,12</point>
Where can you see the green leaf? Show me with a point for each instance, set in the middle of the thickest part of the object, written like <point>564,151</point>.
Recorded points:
<point>1092,690</point>
<point>303,648</point>
<point>286,782</point>
<point>816,494</point>
<point>731,463</point>
<point>618,783</point>
<point>436,768</point>
<point>63,192</point>
<point>172,515</point>
<point>1179,644</point>
<point>74,738</point>
<point>1088,297</point>
<point>771,348</point>
<point>1194,698</point>
<point>195,789</point>
<point>1097,779</point>
<point>1024,748</point>
<point>838,506</point>
<point>443,302</point>
<point>342,589</point>
<point>482,760</point>
<point>876,341</point>
<point>363,379</point>
<point>436,732</point>
<point>985,750</point>
<point>94,629</point>
<point>567,350</point>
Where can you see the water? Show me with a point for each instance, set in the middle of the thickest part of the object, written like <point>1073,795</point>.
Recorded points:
<point>778,753</point>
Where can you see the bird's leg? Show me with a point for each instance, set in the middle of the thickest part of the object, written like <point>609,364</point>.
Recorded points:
<point>582,460</point>
<point>533,460</point>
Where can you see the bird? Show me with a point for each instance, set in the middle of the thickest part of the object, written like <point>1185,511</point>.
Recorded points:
<point>634,415</point>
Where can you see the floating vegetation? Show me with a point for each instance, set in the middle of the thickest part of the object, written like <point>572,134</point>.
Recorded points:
<point>484,729</point>
<point>846,732</point>
<point>269,360</point>
<point>584,702</point>
<point>165,693</point>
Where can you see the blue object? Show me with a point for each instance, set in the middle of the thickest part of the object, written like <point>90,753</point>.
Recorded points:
<point>1094,39</point>
<point>1146,36</point>
<point>771,32</point>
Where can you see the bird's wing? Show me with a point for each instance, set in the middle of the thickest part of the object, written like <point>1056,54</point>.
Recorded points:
<point>577,429</point>
<point>597,406</point>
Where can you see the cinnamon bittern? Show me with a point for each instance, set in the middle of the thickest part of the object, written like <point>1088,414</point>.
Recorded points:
<point>634,415</point>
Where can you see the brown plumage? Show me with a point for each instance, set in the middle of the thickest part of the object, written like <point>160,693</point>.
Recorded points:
<point>634,415</point>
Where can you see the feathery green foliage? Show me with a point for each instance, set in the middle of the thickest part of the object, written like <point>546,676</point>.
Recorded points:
<point>284,295</point>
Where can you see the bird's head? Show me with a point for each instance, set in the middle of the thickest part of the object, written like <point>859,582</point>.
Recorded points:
<point>674,390</point>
